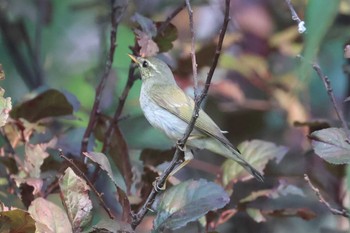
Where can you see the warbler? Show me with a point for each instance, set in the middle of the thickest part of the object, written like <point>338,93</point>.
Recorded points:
<point>169,109</point>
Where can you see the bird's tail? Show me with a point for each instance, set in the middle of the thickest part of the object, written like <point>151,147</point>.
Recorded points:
<point>238,158</point>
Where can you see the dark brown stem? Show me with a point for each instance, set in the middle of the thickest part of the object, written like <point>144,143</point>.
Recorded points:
<point>81,174</point>
<point>329,89</point>
<point>115,19</point>
<point>137,218</point>
<point>117,114</point>
<point>343,212</point>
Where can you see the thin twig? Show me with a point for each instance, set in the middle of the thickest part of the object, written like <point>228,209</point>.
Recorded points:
<point>170,17</point>
<point>82,174</point>
<point>329,89</point>
<point>137,218</point>
<point>193,48</point>
<point>117,114</point>
<point>343,212</point>
<point>115,19</point>
<point>295,17</point>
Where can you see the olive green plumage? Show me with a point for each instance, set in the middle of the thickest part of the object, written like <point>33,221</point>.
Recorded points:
<point>169,109</point>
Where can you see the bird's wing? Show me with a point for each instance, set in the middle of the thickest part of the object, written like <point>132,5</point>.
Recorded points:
<point>179,104</point>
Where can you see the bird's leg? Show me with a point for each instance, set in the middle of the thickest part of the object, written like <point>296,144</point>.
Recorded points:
<point>187,158</point>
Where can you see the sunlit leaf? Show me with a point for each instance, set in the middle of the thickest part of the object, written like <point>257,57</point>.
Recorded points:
<point>188,201</point>
<point>256,215</point>
<point>50,103</point>
<point>331,145</point>
<point>2,73</point>
<point>34,157</point>
<point>75,195</point>
<point>5,107</point>
<point>49,218</point>
<point>16,221</point>
<point>255,152</point>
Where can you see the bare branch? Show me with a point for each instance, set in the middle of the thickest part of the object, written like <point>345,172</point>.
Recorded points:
<point>343,212</point>
<point>329,89</point>
<point>295,17</point>
<point>137,218</point>
<point>193,48</point>
<point>82,174</point>
<point>115,19</point>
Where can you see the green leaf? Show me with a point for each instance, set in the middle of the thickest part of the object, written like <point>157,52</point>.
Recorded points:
<point>51,103</point>
<point>187,202</point>
<point>49,218</point>
<point>16,221</point>
<point>315,32</point>
<point>331,145</point>
<point>75,196</point>
<point>5,107</point>
<point>255,152</point>
<point>165,39</point>
<point>102,160</point>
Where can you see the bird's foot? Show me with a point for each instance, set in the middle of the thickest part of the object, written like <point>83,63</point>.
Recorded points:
<point>156,186</point>
<point>181,146</point>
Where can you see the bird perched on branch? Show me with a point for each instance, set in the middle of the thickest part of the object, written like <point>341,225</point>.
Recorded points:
<point>169,109</point>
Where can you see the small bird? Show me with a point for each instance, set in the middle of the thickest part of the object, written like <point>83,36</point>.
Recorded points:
<point>169,109</point>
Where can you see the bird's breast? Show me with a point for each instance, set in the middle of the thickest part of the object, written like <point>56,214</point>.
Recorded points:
<point>162,119</point>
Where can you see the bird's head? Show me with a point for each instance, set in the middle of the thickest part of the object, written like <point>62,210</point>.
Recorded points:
<point>154,69</point>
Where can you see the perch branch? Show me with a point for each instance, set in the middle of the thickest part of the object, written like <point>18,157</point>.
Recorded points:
<point>137,218</point>
<point>115,19</point>
<point>81,174</point>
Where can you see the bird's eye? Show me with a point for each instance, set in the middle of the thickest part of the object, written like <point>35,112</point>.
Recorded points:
<point>145,64</point>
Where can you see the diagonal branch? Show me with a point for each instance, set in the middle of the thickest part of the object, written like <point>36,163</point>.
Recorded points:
<point>343,212</point>
<point>193,48</point>
<point>137,218</point>
<point>116,13</point>
<point>82,174</point>
<point>329,89</point>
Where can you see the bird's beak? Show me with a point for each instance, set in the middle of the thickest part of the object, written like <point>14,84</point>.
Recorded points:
<point>134,59</point>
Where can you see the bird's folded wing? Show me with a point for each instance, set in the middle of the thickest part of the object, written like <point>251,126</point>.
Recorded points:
<point>181,105</point>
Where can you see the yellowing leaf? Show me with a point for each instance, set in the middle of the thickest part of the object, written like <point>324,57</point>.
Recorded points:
<point>75,196</point>
<point>5,107</point>
<point>16,221</point>
<point>49,218</point>
<point>255,152</point>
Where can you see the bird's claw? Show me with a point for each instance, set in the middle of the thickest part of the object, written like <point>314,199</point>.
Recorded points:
<point>156,186</point>
<point>180,146</point>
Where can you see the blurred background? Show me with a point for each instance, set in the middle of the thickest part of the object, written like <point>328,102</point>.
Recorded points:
<point>260,89</point>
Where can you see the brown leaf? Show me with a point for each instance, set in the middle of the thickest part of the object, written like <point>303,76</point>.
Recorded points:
<point>303,213</point>
<point>149,48</point>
